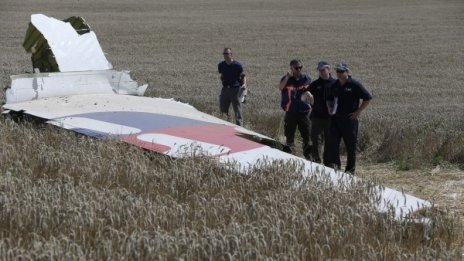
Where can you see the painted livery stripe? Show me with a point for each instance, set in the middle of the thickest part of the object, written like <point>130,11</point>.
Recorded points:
<point>97,126</point>
<point>180,147</point>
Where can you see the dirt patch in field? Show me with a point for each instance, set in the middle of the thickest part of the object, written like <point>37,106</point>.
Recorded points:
<point>442,185</point>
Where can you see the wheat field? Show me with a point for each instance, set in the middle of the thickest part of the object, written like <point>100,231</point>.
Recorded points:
<point>64,196</point>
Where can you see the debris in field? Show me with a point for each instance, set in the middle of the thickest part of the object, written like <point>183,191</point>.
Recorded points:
<point>82,74</point>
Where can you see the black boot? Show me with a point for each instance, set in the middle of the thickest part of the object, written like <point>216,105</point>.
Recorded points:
<point>307,149</point>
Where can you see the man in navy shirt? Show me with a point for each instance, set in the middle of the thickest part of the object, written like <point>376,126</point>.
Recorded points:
<point>343,105</point>
<point>319,114</point>
<point>233,84</point>
<point>296,102</point>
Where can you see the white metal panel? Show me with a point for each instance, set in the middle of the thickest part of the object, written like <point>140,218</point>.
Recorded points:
<point>27,87</point>
<point>97,126</point>
<point>48,108</point>
<point>73,52</point>
<point>181,147</point>
<point>60,110</point>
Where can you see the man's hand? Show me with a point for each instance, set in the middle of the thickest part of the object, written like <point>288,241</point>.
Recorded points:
<point>284,81</point>
<point>307,97</point>
<point>290,73</point>
<point>354,115</point>
<point>242,79</point>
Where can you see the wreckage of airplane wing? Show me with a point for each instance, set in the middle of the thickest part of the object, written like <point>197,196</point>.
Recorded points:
<point>76,89</point>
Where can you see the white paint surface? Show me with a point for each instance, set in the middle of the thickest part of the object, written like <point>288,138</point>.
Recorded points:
<point>182,147</point>
<point>28,87</point>
<point>94,125</point>
<point>73,52</point>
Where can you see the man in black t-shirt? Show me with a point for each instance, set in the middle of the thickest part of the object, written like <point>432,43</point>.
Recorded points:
<point>320,115</point>
<point>344,107</point>
<point>233,84</point>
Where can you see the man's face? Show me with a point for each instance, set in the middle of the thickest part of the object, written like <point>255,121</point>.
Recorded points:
<point>296,69</point>
<point>324,73</point>
<point>227,54</point>
<point>342,74</point>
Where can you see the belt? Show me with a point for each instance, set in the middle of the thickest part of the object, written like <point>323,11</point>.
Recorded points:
<point>341,116</point>
<point>231,86</point>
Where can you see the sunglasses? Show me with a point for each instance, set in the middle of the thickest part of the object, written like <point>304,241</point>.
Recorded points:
<point>298,67</point>
<point>340,71</point>
<point>226,53</point>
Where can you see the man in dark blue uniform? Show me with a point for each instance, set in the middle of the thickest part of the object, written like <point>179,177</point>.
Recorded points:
<point>343,105</point>
<point>319,114</point>
<point>296,102</point>
<point>233,84</point>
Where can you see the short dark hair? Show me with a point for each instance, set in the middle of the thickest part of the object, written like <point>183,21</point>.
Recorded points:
<point>227,49</point>
<point>295,62</point>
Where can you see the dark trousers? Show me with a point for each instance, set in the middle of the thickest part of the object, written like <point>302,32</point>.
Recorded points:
<point>300,120</point>
<point>346,129</point>
<point>228,96</point>
<point>319,136</point>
